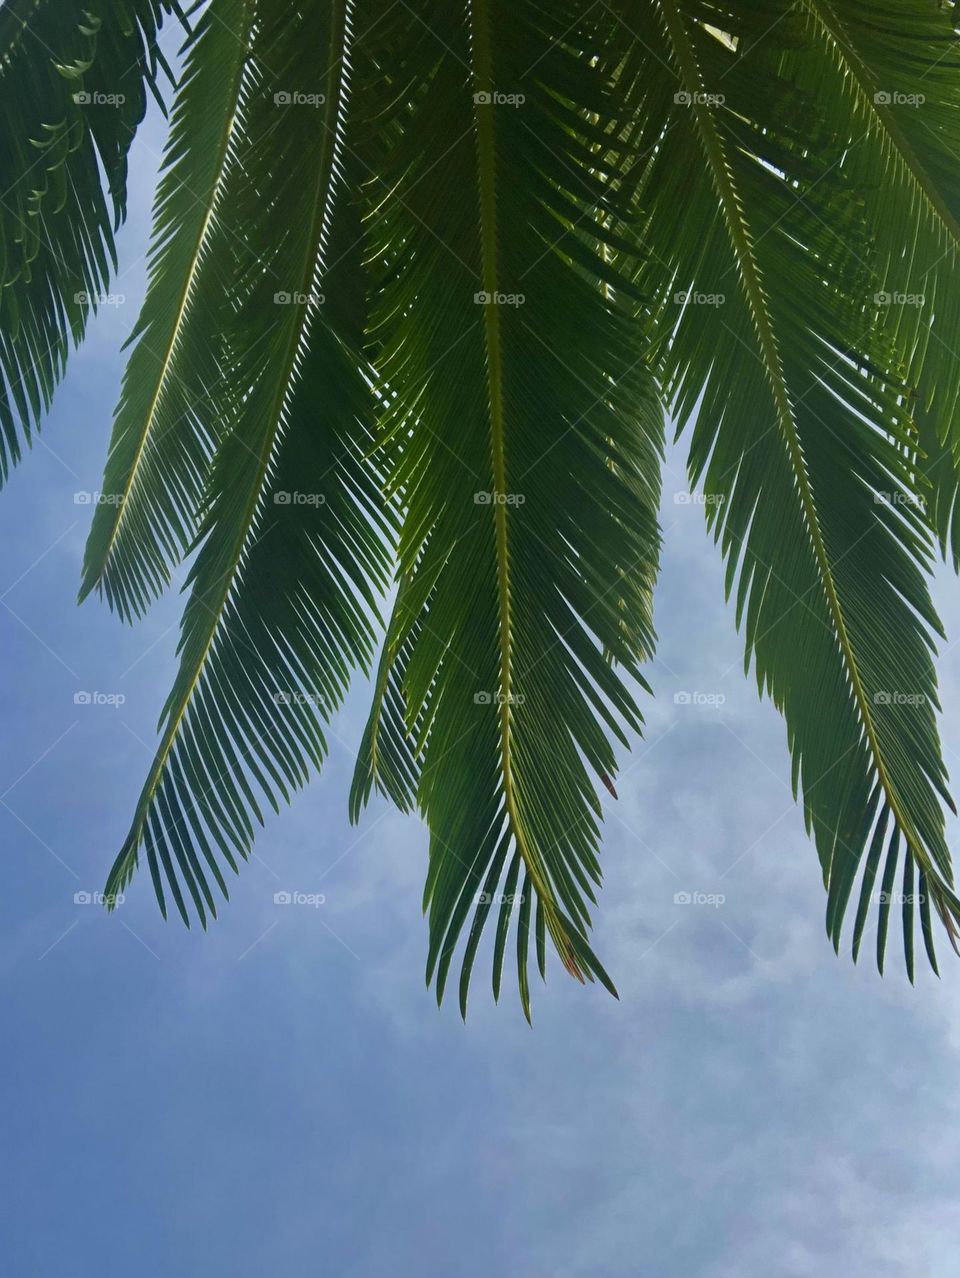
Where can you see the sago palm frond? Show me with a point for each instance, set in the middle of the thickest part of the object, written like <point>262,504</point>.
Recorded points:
<point>801,439</point>
<point>892,77</point>
<point>74,75</point>
<point>525,437</point>
<point>165,430</point>
<point>293,544</point>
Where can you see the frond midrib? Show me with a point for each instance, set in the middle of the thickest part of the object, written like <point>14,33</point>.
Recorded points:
<point>752,284</point>
<point>487,181</point>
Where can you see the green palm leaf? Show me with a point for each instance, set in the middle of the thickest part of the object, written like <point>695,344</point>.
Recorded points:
<point>293,544</point>
<point>802,438</point>
<point>73,81</point>
<point>524,440</point>
<point>891,79</point>
<point>165,434</point>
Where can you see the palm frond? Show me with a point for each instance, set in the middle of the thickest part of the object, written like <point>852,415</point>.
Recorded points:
<point>524,436</point>
<point>896,88</point>
<point>293,545</point>
<point>164,434</point>
<point>74,75</point>
<point>802,436</point>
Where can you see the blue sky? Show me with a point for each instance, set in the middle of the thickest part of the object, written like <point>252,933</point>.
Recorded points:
<point>282,1095</point>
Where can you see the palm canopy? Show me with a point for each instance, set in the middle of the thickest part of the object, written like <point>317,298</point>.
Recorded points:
<point>425,281</point>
